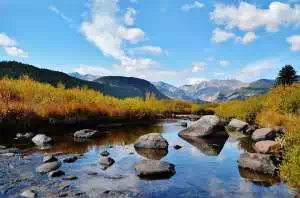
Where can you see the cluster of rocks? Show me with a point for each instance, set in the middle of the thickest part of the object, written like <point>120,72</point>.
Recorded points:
<point>263,143</point>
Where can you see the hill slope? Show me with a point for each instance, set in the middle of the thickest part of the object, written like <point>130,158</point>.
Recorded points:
<point>15,70</point>
<point>130,86</point>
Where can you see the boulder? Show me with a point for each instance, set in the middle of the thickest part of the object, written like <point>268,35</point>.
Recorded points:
<point>107,161</point>
<point>42,140</point>
<point>205,126</point>
<point>48,167</point>
<point>86,133</point>
<point>49,158</point>
<point>259,163</point>
<point>70,159</point>
<point>154,169</point>
<point>267,146</point>
<point>263,134</point>
<point>56,173</point>
<point>154,154</point>
<point>151,141</point>
<point>238,125</point>
<point>29,194</point>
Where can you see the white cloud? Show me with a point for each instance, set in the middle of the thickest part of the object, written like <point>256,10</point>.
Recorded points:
<point>129,16</point>
<point>195,4</point>
<point>14,51</point>
<point>148,49</point>
<point>248,17</point>
<point>248,38</point>
<point>105,31</point>
<point>255,70</point>
<point>98,71</point>
<point>59,13</point>
<point>220,36</point>
<point>196,80</point>
<point>198,66</point>
<point>5,41</point>
<point>294,41</point>
<point>224,63</point>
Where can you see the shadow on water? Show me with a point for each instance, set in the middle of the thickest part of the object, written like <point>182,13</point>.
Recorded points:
<point>211,146</point>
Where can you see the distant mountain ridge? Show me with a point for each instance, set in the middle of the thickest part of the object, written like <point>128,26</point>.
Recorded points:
<point>87,77</point>
<point>137,87</point>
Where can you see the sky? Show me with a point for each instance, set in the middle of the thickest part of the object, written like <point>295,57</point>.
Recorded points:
<point>175,41</point>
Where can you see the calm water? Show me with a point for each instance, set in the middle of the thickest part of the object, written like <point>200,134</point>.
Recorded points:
<point>204,168</point>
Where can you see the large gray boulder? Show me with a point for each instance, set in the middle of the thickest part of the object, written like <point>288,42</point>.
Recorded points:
<point>151,141</point>
<point>154,169</point>
<point>86,133</point>
<point>42,140</point>
<point>48,167</point>
<point>267,146</point>
<point>238,125</point>
<point>205,126</point>
<point>259,163</point>
<point>263,134</point>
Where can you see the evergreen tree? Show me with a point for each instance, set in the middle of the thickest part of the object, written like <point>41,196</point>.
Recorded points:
<point>287,76</point>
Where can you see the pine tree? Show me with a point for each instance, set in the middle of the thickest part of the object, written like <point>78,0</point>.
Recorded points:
<point>287,76</point>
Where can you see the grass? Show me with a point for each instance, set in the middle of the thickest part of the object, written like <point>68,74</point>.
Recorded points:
<point>27,100</point>
<point>279,107</point>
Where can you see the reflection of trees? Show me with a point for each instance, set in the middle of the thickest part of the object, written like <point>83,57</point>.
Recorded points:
<point>259,179</point>
<point>155,154</point>
<point>208,146</point>
<point>121,136</point>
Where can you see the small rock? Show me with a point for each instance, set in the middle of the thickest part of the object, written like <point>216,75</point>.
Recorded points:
<point>42,140</point>
<point>131,153</point>
<point>151,141</point>
<point>70,159</point>
<point>86,133</point>
<point>48,167</point>
<point>238,125</point>
<point>70,178</point>
<point>107,161</point>
<point>62,194</point>
<point>92,173</point>
<point>49,158</point>
<point>267,146</point>
<point>154,169</point>
<point>29,194</point>
<point>263,134</point>
<point>260,163</point>
<point>177,147</point>
<point>104,153</point>
<point>57,173</point>
<point>184,124</point>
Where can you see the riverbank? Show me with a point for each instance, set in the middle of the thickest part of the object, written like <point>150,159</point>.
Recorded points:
<point>279,108</point>
<point>26,105</point>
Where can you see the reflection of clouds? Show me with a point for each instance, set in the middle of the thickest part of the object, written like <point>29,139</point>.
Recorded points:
<point>216,187</point>
<point>221,157</point>
<point>195,152</point>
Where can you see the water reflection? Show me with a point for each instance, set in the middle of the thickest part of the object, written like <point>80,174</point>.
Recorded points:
<point>208,146</point>
<point>259,179</point>
<point>154,154</point>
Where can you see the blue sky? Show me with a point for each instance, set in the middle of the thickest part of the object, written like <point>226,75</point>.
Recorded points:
<point>176,41</point>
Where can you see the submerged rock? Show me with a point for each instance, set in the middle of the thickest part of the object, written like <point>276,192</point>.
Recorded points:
<point>29,194</point>
<point>49,158</point>
<point>267,146</point>
<point>104,153</point>
<point>48,167</point>
<point>86,133</point>
<point>56,173</point>
<point>151,141</point>
<point>70,159</point>
<point>263,134</point>
<point>205,126</point>
<point>154,154</point>
<point>238,125</point>
<point>154,169</point>
<point>42,140</point>
<point>259,163</point>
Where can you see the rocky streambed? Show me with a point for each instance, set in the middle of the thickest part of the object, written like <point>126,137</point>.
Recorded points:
<point>167,159</point>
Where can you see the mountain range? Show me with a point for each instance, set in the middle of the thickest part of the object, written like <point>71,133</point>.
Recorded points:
<point>123,87</point>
